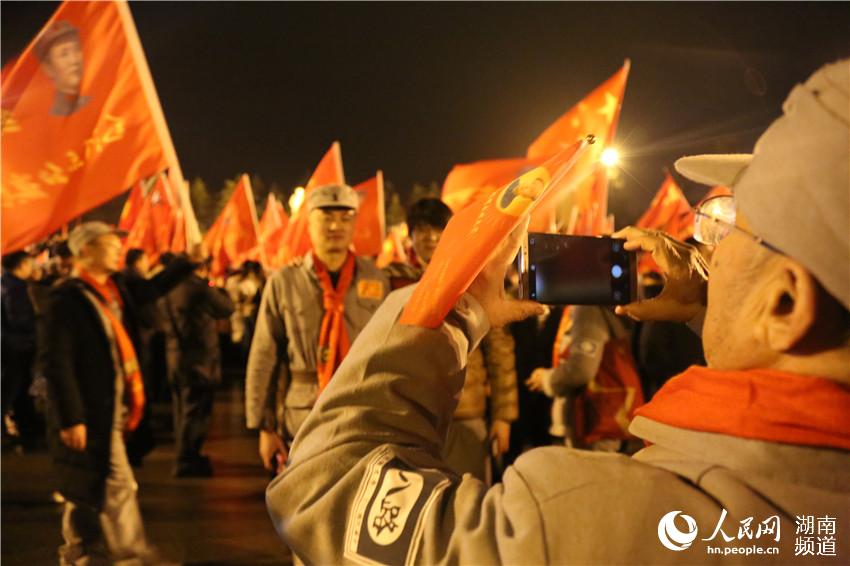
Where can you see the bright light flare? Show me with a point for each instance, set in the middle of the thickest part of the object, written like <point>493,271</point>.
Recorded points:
<point>296,200</point>
<point>610,157</point>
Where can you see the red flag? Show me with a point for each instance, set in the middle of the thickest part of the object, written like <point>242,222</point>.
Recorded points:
<point>131,208</point>
<point>272,229</point>
<point>178,242</point>
<point>153,229</point>
<point>329,170</point>
<point>235,232</point>
<point>471,181</point>
<point>393,248</point>
<point>598,113</point>
<point>473,233</point>
<point>77,129</point>
<point>370,227</point>
<point>669,212</point>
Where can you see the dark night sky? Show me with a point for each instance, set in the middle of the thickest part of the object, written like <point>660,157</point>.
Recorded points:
<point>414,88</point>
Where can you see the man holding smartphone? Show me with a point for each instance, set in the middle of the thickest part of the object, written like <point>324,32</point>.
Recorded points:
<point>751,446</point>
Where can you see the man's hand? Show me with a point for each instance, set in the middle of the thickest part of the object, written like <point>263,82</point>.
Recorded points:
<point>684,270</point>
<point>501,431</point>
<point>489,287</point>
<point>271,445</point>
<point>537,379</point>
<point>74,437</point>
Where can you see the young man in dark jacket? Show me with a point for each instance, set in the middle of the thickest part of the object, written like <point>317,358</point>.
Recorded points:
<point>194,365</point>
<point>96,396</point>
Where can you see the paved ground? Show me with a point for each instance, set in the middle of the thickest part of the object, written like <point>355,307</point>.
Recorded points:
<point>221,520</point>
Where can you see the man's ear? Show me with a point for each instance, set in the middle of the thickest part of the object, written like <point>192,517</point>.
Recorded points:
<point>790,305</point>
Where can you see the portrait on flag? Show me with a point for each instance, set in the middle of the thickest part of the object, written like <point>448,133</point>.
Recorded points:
<point>60,52</point>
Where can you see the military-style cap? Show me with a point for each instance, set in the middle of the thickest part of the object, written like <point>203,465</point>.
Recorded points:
<point>55,31</point>
<point>332,196</point>
<point>795,187</point>
<point>88,231</point>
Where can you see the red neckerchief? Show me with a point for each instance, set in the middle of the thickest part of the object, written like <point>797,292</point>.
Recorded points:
<point>134,387</point>
<point>333,337</point>
<point>760,404</point>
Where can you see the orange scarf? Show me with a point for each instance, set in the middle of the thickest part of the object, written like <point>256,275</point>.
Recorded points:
<point>134,387</point>
<point>760,404</point>
<point>333,337</point>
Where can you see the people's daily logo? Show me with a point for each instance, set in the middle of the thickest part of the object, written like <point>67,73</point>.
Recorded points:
<point>671,536</point>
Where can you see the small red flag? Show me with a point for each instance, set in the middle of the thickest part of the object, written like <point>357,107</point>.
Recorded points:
<point>329,170</point>
<point>598,114</point>
<point>370,227</point>
<point>471,181</point>
<point>155,224</point>
<point>235,232</point>
<point>669,212</point>
<point>475,232</point>
<point>131,208</point>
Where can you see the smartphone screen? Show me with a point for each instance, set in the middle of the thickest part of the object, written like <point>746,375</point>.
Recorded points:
<point>577,270</point>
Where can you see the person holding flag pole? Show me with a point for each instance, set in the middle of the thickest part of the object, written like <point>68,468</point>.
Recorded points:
<point>744,446</point>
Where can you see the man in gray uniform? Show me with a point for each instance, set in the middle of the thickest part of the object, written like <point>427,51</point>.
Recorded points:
<point>311,312</point>
<point>747,459</point>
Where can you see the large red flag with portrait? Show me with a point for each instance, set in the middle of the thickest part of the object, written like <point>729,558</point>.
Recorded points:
<point>235,233</point>
<point>296,240</point>
<point>370,228</point>
<point>475,232</point>
<point>81,121</point>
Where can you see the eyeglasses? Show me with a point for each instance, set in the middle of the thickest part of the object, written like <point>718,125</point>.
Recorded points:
<point>714,219</point>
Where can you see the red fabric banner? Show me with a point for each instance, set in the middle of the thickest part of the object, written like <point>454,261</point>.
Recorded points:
<point>81,122</point>
<point>370,227</point>
<point>235,233</point>
<point>155,225</point>
<point>475,232</point>
<point>669,212</point>
<point>472,181</point>
<point>598,114</point>
<point>296,242</point>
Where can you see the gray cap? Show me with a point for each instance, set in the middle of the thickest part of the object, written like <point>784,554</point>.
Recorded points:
<point>332,196</point>
<point>795,187</point>
<point>86,232</point>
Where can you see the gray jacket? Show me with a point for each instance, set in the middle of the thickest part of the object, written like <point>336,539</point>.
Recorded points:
<point>365,483</point>
<point>281,383</point>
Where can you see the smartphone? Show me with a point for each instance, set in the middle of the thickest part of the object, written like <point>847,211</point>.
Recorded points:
<point>576,270</point>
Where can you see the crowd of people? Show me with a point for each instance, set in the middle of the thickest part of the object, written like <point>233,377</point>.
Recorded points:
<point>394,444</point>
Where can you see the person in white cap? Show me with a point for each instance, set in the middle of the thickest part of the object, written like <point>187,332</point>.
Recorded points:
<point>311,311</point>
<point>747,460</point>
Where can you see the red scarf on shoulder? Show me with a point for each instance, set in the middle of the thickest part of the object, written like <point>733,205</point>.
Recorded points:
<point>134,387</point>
<point>333,337</point>
<point>760,404</point>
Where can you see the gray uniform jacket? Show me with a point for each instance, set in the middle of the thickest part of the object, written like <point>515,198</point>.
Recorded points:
<point>365,483</point>
<point>281,383</point>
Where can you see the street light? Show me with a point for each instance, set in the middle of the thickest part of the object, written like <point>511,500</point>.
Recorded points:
<point>296,200</point>
<point>610,157</point>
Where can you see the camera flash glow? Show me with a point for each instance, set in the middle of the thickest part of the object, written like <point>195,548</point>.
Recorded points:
<point>610,157</point>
